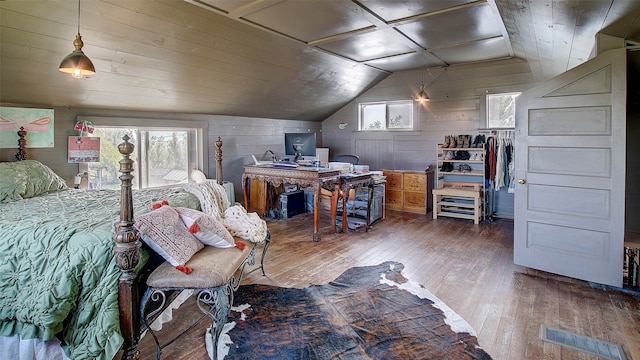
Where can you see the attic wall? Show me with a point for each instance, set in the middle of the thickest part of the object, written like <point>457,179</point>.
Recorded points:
<point>245,136</point>
<point>456,107</point>
<point>242,136</point>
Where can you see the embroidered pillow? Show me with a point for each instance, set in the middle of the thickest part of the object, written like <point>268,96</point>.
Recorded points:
<point>27,179</point>
<point>165,233</point>
<point>206,228</point>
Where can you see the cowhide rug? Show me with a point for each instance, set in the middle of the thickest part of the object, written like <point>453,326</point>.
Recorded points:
<point>368,312</point>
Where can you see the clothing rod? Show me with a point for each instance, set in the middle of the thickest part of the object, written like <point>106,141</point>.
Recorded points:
<point>495,131</point>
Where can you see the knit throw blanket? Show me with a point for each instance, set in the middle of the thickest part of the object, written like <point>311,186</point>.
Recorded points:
<point>214,201</point>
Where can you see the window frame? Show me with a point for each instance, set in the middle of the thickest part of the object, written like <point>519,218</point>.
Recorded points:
<point>361,115</point>
<point>196,143</point>
<point>487,111</point>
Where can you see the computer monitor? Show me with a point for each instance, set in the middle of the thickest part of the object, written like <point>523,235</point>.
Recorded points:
<point>300,144</point>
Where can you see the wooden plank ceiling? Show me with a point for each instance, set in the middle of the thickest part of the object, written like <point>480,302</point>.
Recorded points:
<point>287,59</point>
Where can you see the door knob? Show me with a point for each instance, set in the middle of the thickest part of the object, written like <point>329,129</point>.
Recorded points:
<point>522,181</point>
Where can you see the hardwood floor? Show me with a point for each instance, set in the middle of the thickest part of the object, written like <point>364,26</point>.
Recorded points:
<point>469,267</point>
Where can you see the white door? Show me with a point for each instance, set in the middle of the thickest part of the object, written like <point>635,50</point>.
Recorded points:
<point>570,164</point>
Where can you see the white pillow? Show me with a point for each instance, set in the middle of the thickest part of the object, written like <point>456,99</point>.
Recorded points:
<point>198,176</point>
<point>206,228</point>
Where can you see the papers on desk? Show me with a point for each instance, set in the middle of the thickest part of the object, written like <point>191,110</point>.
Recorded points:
<point>285,164</point>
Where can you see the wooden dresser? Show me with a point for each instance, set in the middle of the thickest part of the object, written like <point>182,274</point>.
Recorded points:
<point>409,191</point>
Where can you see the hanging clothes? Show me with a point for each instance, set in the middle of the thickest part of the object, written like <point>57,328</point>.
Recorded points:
<point>512,168</point>
<point>491,158</point>
<point>498,179</point>
<point>504,167</point>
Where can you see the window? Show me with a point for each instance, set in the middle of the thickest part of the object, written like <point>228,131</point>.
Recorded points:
<point>161,156</point>
<point>381,116</point>
<point>501,110</point>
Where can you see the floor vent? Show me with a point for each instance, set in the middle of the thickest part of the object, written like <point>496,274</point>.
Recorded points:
<point>603,349</point>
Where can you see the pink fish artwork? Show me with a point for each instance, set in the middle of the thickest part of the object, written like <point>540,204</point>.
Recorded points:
<point>40,124</point>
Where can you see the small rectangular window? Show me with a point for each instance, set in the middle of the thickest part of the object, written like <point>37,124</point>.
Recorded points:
<point>382,116</point>
<point>501,110</point>
<point>161,156</point>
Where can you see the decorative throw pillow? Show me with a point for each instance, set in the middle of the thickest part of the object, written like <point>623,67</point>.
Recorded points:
<point>198,176</point>
<point>206,228</point>
<point>26,179</point>
<point>165,233</point>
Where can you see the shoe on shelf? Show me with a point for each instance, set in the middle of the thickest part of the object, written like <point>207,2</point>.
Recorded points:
<point>447,142</point>
<point>448,155</point>
<point>453,141</point>
<point>476,141</point>
<point>446,167</point>
<point>481,141</point>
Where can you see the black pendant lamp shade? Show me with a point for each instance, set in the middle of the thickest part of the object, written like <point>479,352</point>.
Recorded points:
<point>77,63</point>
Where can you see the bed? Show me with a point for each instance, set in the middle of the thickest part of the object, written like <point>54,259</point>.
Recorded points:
<point>70,261</point>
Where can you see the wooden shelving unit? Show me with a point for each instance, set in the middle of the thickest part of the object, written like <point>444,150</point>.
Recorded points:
<point>460,192</point>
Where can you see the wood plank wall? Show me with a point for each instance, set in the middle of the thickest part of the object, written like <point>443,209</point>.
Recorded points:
<point>242,136</point>
<point>456,107</point>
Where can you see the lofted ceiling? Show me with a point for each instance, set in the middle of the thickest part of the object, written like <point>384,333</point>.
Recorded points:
<point>386,35</point>
<point>283,59</point>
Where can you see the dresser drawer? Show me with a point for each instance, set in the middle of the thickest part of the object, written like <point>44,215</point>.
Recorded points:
<point>393,199</point>
<point>415,182</point>
<point>415,202</point>
<point>394,180</point>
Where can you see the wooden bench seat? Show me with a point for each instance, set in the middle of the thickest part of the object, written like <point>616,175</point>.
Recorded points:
<point>216,275</point>
<point>459,203</point>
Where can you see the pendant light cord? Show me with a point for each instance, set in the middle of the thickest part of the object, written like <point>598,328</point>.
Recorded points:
<point>78,17</point>
<point>424,64</point>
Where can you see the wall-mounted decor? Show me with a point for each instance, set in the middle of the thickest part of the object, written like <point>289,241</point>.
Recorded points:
<point>84,149</point>
<point>37,122</point>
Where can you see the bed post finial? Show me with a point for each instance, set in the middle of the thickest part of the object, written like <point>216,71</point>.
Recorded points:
<point>22,143</point>
<point>127,253</point>
<point>219,160</point>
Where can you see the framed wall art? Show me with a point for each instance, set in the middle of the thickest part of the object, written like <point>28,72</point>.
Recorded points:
<point>37,122</point>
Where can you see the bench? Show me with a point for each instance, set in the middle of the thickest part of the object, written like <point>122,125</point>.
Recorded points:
<point>459,203</point>
<point>216,275</point>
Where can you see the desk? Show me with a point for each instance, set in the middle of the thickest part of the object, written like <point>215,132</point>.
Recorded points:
<point>302,176</point>
<point>354,181</point>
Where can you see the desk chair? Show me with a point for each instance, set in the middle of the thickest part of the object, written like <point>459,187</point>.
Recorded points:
<point>352,159</point>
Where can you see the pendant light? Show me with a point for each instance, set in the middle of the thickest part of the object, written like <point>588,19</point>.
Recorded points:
<point>422,96</point>
<point>77,63</point>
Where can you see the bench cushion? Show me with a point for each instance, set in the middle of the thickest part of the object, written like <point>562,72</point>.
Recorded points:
<point>211,267</point>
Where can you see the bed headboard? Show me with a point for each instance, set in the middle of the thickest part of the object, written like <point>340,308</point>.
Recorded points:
<point>22,143</point>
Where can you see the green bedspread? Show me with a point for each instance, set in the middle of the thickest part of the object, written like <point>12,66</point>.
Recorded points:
<point>57,269</point>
